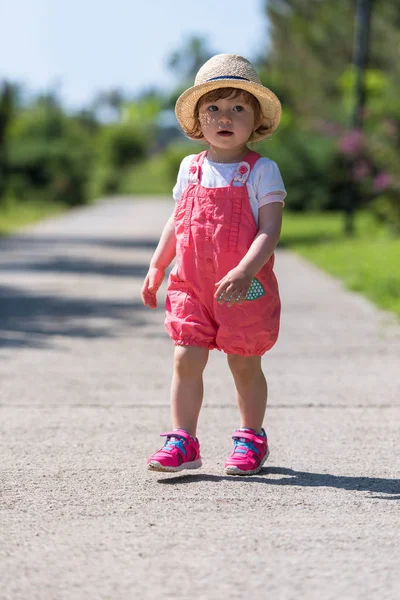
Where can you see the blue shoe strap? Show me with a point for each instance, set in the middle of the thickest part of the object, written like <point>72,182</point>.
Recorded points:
<point>242,445</point>
<point>173,442</point>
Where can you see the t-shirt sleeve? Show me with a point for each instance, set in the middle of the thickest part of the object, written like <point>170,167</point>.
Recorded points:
<point>182,179</point>
<point>269,183</point>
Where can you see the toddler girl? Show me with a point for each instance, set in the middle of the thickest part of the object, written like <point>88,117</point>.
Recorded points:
<point>222,291</point>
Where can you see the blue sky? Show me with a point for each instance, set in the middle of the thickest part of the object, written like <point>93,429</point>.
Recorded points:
<point>83,46</point>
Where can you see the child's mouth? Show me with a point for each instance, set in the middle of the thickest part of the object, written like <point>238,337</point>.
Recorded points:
<point>225,133</point>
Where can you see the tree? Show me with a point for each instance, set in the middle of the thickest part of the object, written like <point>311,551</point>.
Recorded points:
<point>188,59</point>
<point>107,104</point>
<point>309,61</point>
<point>9,100</point>
<point>49,154</point>
<point>311,46</point>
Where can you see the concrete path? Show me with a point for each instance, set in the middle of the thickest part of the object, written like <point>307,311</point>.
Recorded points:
<point>84,378</point>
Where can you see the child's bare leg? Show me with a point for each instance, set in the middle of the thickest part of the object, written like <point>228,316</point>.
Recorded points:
<point>187,386</point>
<point>251,389</point>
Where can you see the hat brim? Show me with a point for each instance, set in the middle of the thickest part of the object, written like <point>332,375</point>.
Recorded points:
<point>270,105</point>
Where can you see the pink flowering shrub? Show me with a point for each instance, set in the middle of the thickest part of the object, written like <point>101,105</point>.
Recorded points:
<point>364,169</point>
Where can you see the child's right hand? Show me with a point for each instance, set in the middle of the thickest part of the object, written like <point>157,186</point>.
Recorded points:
<point>151,285</point>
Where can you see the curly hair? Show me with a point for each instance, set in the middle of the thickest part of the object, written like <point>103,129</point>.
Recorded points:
<point>196,134</point>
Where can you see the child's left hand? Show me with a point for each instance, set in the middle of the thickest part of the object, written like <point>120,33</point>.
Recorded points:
<point>234,286</point>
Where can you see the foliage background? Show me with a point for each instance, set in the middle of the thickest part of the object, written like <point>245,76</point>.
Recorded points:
<point>122,144</point>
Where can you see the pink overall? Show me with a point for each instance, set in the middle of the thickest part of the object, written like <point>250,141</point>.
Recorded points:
<point>214,229</point>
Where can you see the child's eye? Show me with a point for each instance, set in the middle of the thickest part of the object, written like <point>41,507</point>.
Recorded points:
<point>238,108</point>
<point>212,108</point>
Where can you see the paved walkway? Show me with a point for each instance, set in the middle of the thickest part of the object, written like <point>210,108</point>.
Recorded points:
<point>84,377</point>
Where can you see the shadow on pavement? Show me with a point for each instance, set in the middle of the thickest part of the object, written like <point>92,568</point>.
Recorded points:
<point>31,318</point>
<point>37,254</point>
<point>28,319</point>
<point>27,242</point>
<point>78,266</point>
<point>302,479</point>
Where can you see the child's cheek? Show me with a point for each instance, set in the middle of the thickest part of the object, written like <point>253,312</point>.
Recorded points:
<point>206,120</point>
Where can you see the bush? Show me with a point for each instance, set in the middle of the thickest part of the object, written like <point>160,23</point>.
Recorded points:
<point>158,174</point>
<point>49,157</point>
<point>118,146</point>
<point>303,159</point>
<point>174,155</point>
<point>104,180</point>
<point>331,167</point>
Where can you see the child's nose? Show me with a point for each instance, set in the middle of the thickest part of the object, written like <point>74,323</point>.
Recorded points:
<point>224,118</point>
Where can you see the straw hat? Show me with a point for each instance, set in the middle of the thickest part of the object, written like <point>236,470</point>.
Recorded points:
<point>228,70</point>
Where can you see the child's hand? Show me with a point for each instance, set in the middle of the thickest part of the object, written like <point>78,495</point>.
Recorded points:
<point>234,286</point>
<point>151,285</point>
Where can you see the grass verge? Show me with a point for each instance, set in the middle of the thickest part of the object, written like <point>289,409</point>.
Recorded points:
<point>367,263</point>
<point>150,177</point>
<point>15,215</point>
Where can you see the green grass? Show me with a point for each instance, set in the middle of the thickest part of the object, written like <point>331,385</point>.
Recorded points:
<point>13,215</point>
<point>149,177</point>
<point>368,263</point>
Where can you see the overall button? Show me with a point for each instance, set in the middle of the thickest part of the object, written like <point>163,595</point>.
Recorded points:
<point>207,239</point>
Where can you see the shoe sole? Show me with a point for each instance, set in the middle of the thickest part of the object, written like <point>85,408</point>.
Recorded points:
<point>154,465</point>
<point>232,470</point>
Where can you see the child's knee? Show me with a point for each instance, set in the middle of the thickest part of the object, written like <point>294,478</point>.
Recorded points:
<point>190,361</point>
<point>245,367</point>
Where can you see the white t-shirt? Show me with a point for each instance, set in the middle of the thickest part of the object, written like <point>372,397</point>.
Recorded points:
<point>264,184</point>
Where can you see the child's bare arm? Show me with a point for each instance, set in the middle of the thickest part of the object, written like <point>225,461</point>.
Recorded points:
<point>236,283</point>
<point>162,258</point>
<point>266,240</point>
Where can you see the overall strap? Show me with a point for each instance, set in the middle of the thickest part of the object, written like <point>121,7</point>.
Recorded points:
<point>244,168</point>
<point>195,168</point>
<point>200,157</point>
<point>252,157</point>
<point>240,177</point>
<point>194,178</point>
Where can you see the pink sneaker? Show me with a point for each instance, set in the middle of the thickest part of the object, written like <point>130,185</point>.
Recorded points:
<point>180,451</point>
<point>249,453</point>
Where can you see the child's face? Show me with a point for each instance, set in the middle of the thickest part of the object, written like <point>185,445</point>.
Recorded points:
<point>227,123</point>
